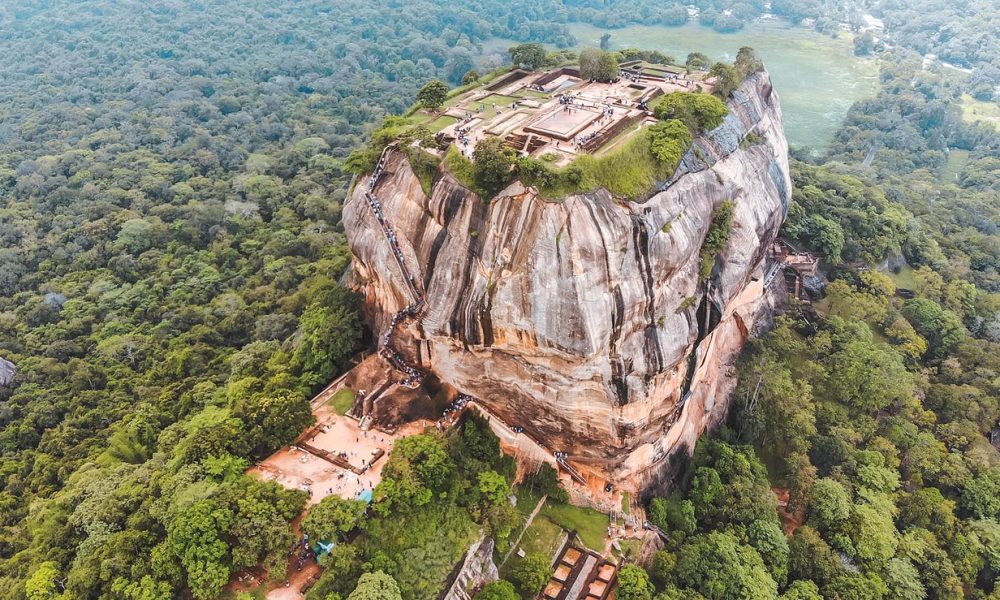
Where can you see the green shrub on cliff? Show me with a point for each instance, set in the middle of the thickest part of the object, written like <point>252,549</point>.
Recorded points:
<point>668,140</point>
<point>715,239</point>
<point>629,171</point>
<point>393,129</point>
<point>700,112</point>
<point>492,161</point>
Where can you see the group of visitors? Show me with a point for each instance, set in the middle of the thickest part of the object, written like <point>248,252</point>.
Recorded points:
<point>303,552</point>
<point>580,140</point>
<point>390,234</point>
<point>453,410</point>
<point>462,135</point>
<point>412,375</point>
<point>567,100</point>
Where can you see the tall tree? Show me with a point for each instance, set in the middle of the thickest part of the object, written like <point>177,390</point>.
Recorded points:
<point>634,584</point>
<point>492,160</point>
<point>498,590</point>
<point>531,573</point>
<point>332,517</point>
<point>433,94</point>
<point>529,56</point>
<point>718,567</point>
<point>726,79</point>
<point>376,586</point>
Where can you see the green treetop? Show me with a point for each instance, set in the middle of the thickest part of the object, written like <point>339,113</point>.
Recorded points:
<point>433,94</point>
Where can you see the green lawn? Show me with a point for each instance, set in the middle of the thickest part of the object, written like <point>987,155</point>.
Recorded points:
<point>460,167</point>
<point>957,160</point>
<point>440,123</point>
<point>420,118</point>
<point>500,99</point>
<point>614,143</point>
<point>630,548</point>
<point>342,401</point>
<point>629,169</point>
<point>534,94</point>
<point>489,113</point>
<point>630,172</point>
<point>589,524</point>
<point>542,537</point>
<point>526,500</point>
<point>546,532</point>
<point>977,110</point>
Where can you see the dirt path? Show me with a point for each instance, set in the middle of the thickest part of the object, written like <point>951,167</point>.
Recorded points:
<point>296,580</point>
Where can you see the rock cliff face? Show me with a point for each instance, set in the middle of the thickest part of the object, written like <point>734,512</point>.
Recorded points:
<point>584,320</point>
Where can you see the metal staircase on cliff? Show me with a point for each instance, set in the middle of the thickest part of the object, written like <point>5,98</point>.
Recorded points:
<point>577,477</point>
<point>413,376</point>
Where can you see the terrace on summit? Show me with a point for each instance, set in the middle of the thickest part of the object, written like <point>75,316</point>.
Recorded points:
<point>555,113</point>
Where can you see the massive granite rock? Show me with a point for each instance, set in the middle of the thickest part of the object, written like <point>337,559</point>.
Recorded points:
<point>584,320</point>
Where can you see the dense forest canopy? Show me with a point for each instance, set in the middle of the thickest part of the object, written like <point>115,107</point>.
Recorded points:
<point>171,178</point>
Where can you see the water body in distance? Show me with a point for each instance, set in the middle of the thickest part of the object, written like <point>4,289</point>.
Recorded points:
<point>817,77</point>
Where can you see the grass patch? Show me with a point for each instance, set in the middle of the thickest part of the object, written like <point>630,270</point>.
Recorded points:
<point>957,159</point>
<point>483,80</point>
<point>589,524</point>
<point>420,118</point>
<point>489,113</point>
<point>626,503</point>
<point>612,145</point>
<point>499,99</point>
<point>542,537</point>
<point>978,111</point>
<point>425,167</point>
<point>460,167</point>
<point>904,279</point>
<point>630,548</point>
<point>440,123</point>
<point>631,171</point>
<point>527,499</point>
<point>342,401</point>
<point>533,94</point>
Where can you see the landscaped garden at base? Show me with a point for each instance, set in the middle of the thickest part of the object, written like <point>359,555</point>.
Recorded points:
<point>342,401</point>
<point>547,532</point>
<point>588,523</point>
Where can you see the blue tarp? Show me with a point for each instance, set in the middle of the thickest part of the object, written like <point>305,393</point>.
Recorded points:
<point>322,548</point>
<point>365,496</point>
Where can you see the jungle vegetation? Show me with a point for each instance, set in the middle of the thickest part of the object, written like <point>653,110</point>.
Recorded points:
<point>171,181</point>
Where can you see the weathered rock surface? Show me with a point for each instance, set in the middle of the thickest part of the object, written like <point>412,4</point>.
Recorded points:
<point>577,319</point>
